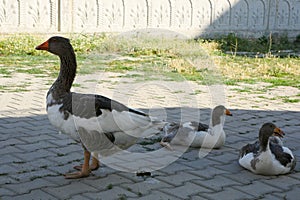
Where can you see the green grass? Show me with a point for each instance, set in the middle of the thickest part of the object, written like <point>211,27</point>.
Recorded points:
<point>201,61</point>
<point>109,186</point>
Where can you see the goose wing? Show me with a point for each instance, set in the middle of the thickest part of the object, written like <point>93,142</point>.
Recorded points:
<point>249,148</point>
<point>96,114</point>
<point>284,156</point>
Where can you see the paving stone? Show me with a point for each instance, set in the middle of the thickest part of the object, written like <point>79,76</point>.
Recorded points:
<point>147,186</point>
<point>8,169</point>
<point>10,150</point>
<point>61,169</point>
<point>36,195</point>
<point>200,163</point>
<point>289,182</point>
<point>186,190</point>
<point>67,191</point>
<point>179,178</point>
<point>102,183</point>
<point>229,158</point>
<point>11,142</point>
<point>271,197</point>
<point>33,139</point>
<point>246,177</point>
<point>197,197</point>
<point>174,167</point>
<point>232,168</point>
<point>256,188</point>
<point>6,192</point>
<point>217,183</point>
<point>36,146</point>
<point>157,195</point>
<point>66,158</point>
<point>227,193</point>
<point>26,187</point>
<point>67,149</point>
<point>79,197</point>
<point>9,158</point>
<point>111,194</point>
<point>33,155</point>
<point>31,175</point>
<point>292,194</point>
<point>208,172</point>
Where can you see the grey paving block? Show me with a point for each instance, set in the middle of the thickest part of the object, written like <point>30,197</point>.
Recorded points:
<point>111,194</point>
<point>26,187</point>
<point>146,186</point>
<point>217,183</point>
<point>289,182</point>
<point>179,178</point>
<point>7,169</point>
<point>208,173</point>
<point>35,195</point>
<point>43,144</point>
<point>6,193</point>
<point>62,158</point>
<point>227,193</point>
<point>233,167</point>
<point>174,167</point>
<point>9,158</point>
<point>226,159</point>
<point>186,190</point>
<point>246,177</point>
<point>292,194</point>
<point>256,188</point>
<point>102,183</point>
<point>67,191</point>
<point>79,197</point>
<point>33,155</point>
<point>11,142</point>
<point>10,150</point>
<point>157,195</point>
<point>24,175</point>
<point>200,163</point>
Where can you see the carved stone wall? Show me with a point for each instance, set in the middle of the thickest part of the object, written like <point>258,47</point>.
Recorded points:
<point>190,17</point>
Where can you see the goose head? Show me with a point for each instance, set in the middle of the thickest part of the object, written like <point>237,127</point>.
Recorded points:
<point>218,115</point>
<point>57,45</point>
<point>266,131</point>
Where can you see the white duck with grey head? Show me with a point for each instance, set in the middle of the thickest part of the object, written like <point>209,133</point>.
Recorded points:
<point>196,134</point>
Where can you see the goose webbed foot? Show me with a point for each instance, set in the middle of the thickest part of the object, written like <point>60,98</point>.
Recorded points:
<point>80,174</point>
<point>94,166</point>
<point>85,168</point>
<point>167,145</point>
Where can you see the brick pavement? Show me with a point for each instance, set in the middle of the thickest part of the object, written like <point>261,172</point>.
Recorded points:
<point>34,156</point>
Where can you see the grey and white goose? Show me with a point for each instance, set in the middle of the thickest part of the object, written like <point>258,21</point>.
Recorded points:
<point>267,156</point>
<point>196,134</point>
<point>98,122</point>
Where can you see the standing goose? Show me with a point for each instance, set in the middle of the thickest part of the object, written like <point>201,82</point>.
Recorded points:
<point>196,134</point>
<point>98,122</point>
<point>271,158</point>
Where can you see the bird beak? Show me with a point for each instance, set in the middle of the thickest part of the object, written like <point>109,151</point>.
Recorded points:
<point>278,132</point>
<point>44,46</point>
<point>227,112</point>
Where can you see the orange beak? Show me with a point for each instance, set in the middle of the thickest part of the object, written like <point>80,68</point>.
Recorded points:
<point>227,112</point>
<point>278,132</point>
<point>44,46</point>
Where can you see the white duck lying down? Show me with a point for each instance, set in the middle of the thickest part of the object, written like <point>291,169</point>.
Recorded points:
<point>196,134</point>
<point>268,156</point>
<point>98,122</point>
